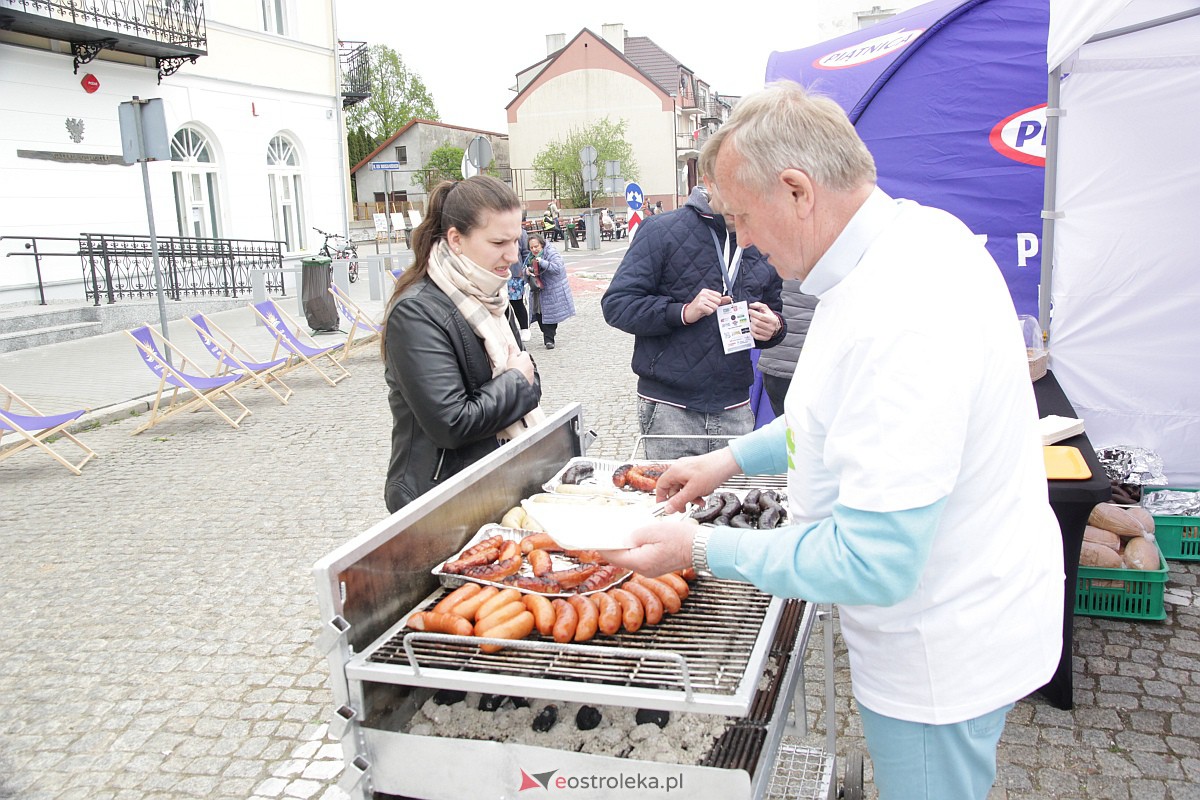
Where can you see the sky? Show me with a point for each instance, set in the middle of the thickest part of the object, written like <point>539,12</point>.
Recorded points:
<point>468,56</point>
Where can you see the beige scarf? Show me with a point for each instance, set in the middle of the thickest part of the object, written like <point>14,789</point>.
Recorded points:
<point>479,296</point>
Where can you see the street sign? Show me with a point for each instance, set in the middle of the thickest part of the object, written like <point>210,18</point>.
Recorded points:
<point>612,185</point>
<point>588,154</point>
<point>144,134</point>
<point>590,172</point>
<point>612,168</point>
<point>634,197</point>
<point>385,165</point>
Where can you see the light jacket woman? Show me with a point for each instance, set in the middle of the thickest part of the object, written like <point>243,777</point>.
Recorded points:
<point>550,300</point>
<point>459,381</point>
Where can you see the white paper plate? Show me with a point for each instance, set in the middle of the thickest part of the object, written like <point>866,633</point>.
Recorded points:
<point>589,523</point>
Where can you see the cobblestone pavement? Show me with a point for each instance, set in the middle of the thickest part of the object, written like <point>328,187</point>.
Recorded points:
<point>159,613</point>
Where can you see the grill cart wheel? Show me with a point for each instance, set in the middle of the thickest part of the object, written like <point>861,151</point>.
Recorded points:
<point>852,785</point>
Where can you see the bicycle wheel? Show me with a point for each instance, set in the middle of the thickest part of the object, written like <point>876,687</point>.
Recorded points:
<point>352,253</point>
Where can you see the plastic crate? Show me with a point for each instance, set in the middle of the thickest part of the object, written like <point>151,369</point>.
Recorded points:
<point>1178,537</point>
<point>1122,593</point>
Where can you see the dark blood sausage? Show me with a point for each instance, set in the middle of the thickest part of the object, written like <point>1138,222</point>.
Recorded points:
<point>572,577</point>
<point>578,473</point>
<point>602,577</point>
<point>480,558</point>
<point>712,509</point>
<point>493,572</point>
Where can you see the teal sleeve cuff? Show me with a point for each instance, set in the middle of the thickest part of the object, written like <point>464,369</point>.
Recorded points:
<point>764,451</point>
<point>852,557</point>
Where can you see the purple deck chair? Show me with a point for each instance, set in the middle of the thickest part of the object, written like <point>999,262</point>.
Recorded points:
<point>34,429</point>
<point>362,328</point>
<point>284,328</point>
<point>199,389</point>
<point>232,357</point>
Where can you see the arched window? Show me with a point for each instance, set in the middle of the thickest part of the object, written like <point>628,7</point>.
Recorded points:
<point>286,190</point>
<point>196,180</point>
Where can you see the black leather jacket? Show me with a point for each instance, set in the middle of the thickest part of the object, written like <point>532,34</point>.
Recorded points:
<point>446,407</point>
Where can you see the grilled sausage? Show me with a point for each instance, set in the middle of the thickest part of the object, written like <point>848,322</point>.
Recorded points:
<point>573,576</point>
<point>539,541</point>
<point>677,583</point>
<point>651,605</point>
<point>688,574</point>
<point>620,474</point>
<point>589,617</point>
<point>510,549</point>
<point>610,612</point>
<point>518,627</point>
<point>585,556</point>
<point>491,541</point>
<point>540,562</point>
<point>501,598</point>
<point>460,594</point>
<point>632,613</point>
<point>565,620</point>
<point>502,614</point>
<point>497,570</point>
<point>543,612</point>
<point>469,607</point>
<point>600,578</point>
<point>532,583</point>
<point>480,558</point>
<point>435,622</point>
<point>666,595</point>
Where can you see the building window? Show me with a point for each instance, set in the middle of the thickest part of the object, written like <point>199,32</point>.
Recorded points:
<point>275,16</point>
<point>402,154</point>
<point>286,189</point>
<point>196,180</point>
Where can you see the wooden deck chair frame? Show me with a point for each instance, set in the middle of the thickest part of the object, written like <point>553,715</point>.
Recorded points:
<point>22,425</point>
<point>232,356</point>
<point>288,341</point>
<point>198,388</point>
<point>359,320</point>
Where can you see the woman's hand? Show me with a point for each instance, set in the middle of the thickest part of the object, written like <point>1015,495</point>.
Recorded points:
<point>521,361</point>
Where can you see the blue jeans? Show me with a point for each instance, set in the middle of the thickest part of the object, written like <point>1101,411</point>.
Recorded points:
<point>917,761</point>
<point>660,419</point>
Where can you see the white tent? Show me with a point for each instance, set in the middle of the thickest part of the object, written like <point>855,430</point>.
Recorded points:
<point>1122,230</point>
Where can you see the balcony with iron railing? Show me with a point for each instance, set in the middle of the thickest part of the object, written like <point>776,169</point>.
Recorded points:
<point>169,31</point>
<point>356,72</point>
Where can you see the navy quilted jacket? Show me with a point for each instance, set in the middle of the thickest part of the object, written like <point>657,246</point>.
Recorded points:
<point>670,259</point>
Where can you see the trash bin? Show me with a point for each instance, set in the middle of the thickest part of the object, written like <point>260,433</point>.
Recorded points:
<point>315,276</point>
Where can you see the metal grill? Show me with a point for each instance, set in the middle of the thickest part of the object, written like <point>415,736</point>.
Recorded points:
<point>708,657</point>
<point>800,772</point>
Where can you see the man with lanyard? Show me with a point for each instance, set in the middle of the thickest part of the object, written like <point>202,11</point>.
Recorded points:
<point>916,486</point>
<point>696,303</point>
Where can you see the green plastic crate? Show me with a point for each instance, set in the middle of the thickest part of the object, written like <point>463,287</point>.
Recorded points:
<point>1178,537</point>
<point>1122,593</point>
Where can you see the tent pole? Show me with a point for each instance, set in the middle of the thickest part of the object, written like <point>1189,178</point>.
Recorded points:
<point>1050,198</point>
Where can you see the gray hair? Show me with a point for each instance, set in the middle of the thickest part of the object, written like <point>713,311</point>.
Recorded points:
<point>785,127</point>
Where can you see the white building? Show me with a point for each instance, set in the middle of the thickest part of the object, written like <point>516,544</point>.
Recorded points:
<point>253,115</point>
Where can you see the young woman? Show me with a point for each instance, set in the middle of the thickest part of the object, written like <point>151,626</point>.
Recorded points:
<point>459,381</point>
<point>550,300</point>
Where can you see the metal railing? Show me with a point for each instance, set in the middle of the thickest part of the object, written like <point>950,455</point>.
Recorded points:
<point>356,72</point>
<point>178,22</point>
<point>121,267</point>
<point>117,266</point>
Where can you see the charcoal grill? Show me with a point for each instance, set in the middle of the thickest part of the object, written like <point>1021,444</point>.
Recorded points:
<point>731,651</point>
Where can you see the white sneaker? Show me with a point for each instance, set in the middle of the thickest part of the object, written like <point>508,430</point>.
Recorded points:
<point>525,335</point>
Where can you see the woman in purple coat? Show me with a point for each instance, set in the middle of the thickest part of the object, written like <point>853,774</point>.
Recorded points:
<point>550,300</point>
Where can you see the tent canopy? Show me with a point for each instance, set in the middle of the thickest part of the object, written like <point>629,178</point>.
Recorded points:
<point>1125,288</point>
<point>950,99</point>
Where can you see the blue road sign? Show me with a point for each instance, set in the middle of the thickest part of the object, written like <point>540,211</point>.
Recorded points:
<point>633,196</point>
<point>385,165</point>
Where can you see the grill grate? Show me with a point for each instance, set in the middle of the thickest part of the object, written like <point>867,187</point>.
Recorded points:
<point>801,772</point>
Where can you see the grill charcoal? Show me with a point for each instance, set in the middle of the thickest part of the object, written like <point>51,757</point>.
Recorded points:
<point>587,718</point>
<point>546,718</point>
<point>448,697</point>
<point>659,718</point>
<point>490,702</point>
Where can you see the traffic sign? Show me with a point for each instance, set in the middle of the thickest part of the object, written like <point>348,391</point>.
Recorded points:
<point>385,165</point>
<point>634,197</point>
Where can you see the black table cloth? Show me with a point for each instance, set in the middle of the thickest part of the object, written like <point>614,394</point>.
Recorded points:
<point>1072,502</point>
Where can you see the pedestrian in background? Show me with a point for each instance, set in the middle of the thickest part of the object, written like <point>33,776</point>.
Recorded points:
<point>518,288</point>
<point>778,363</point>
<point>550,300</point>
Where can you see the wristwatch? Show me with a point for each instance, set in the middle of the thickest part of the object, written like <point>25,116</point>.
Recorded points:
<point>700,552</point>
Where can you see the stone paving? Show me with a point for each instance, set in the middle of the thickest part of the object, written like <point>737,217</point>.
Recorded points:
<point>159,612</point>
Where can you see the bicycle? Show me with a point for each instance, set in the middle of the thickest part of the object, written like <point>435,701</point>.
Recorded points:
<point>346,250</point>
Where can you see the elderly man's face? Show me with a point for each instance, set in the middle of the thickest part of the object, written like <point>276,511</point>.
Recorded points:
<point>717,205</point>
<point>763,219</point>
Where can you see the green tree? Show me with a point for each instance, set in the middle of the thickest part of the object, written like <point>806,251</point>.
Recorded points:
<point>557,164</point>
<point>444,164</point>
<point>398,96</point>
